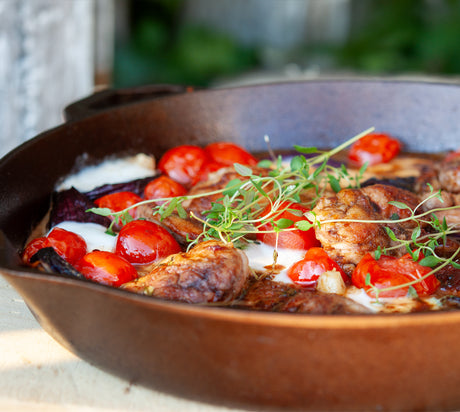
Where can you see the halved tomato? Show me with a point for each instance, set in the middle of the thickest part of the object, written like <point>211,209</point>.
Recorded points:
<point>68,245</point>
<point>163,187</point>
<point>452,156</point>
<point>119,201</point>
<point>374,148</point>
<point>292,239</point>
<point>106,268</point>
<point>307,271</point>
<point>182,163</point>
<point>227,154</point>
<point>389,271</point>
<point>206,170</point>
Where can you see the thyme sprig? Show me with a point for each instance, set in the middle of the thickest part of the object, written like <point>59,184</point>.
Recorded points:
<point>421,245</point>
<point>237,213</point>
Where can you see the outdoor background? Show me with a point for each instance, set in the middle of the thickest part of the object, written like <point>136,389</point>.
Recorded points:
<point>202,42</point>
<point>55,52</point>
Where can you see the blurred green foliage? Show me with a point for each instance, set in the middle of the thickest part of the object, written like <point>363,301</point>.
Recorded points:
<point>162,50</point>
<point>406,36</point>
<point>394,36</point>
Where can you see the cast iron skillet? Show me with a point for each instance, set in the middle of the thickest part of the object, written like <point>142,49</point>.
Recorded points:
<point>224,356</point>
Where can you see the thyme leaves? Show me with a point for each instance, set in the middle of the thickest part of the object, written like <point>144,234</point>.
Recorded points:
<point>237,213</point>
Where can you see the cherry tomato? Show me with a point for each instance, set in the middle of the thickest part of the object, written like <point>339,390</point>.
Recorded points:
<point>295,239</point>
<point>106,268</point>
<point>227,153</point>
<point>374,148</point>
<point>206,169</point>
<point>389,271</point>
<point>68,245</point>
<point>307,271</point>
<point>452,156</point>
<point>183,163</point>
<point>33,247</point>
<point>163,187</point>
<point>119,201</point>
<point>142,242</point>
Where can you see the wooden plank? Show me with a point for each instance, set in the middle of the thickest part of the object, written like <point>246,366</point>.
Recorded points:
<point>46,62</point>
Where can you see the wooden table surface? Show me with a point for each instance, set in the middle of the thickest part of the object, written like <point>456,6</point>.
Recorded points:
<point>37,374</point>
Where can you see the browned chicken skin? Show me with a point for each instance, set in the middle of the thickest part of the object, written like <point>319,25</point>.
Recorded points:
<point>380,195</point>
<point>449,179</point>
<point>348,242</point>
<point>212,271</point>
<point>449,175</point>
<point>267,295</point>
<point>445,177</point>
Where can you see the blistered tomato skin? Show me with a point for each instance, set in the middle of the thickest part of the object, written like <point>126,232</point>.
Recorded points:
<point>227,154</point>
<point>33,247</point>
<point>374,148</point>
<point>68,245</point>
<point>389,271</point>
<point>294,239</point>
<point>452,156</point>
<point>106,268</point>
<point>119,201</point>
<point>307,271</point>
<point>163,187</point>
<point>183,163</point>
<point>142,242</point>
<point>206,170</point>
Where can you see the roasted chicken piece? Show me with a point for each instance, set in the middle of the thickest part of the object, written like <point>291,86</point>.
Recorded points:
<point>380,196</point>
<point>449,178</point>
<point>267,295</point>
<point>348,242</point>
<point>212,271</point>
<point>450,280</point>
<point>443,176</point>
<point>449,175</point>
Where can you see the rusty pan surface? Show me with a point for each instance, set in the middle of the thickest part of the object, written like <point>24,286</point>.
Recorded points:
<point>235,357</point>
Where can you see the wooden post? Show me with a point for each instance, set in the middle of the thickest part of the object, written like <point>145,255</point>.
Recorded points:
<point>104,41</point>
<point>46,62</point>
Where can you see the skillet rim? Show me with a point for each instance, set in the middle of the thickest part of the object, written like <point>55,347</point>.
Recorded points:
<point>88,99</point>
<point>106,93</point>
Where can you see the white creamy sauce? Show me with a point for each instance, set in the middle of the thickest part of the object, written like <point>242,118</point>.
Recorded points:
<point>389,305</point>
<point>260,258</point>
<point>360,296</point>
<point>93,234</point>
<point>110,171</point>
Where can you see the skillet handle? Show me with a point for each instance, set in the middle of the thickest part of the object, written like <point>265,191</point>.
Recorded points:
<point>112,98</point>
